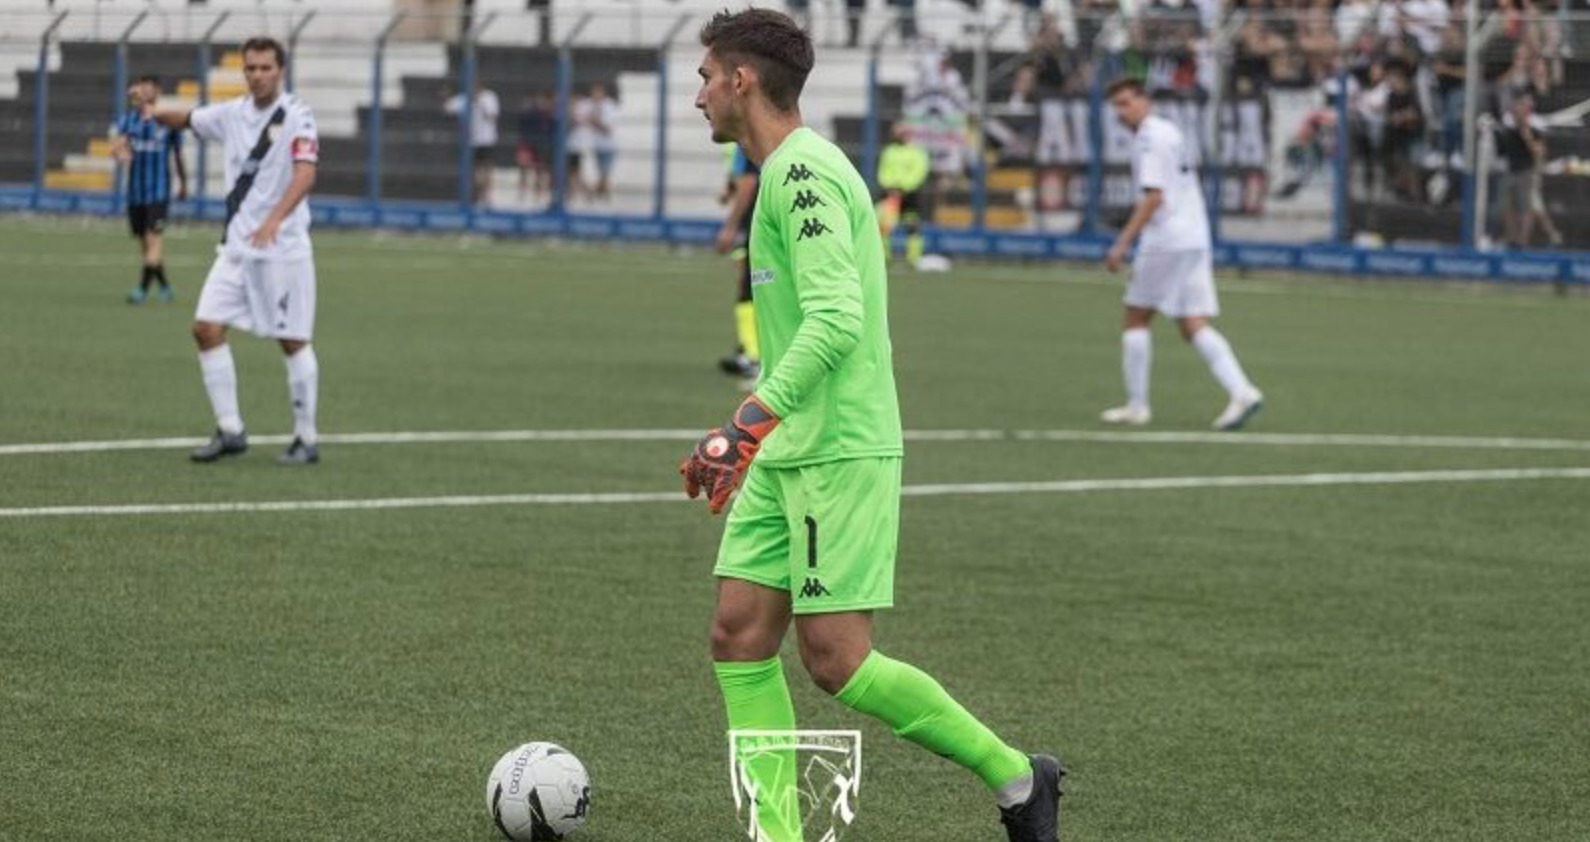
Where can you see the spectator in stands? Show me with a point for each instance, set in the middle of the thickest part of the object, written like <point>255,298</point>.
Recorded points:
<point>1521,145</point>
<point>905,18</point>
<point>482,130</point>
<point>854,10</point>
<point>1450,67</point>
<point>1367,113</point>
<point>1404,134</point>
<point>937,107</point>
<point>604,125</point>
<point>578,145</point>
<point>1051,67</point>
<point>1257,47</point>
<point>537,129</point>
<point>1352,19</point>
<point>1317,41</point>
<point>1414,23</point>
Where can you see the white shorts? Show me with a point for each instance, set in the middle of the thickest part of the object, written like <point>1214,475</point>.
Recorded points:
<point>273,299</point>
<point>1178,284</point>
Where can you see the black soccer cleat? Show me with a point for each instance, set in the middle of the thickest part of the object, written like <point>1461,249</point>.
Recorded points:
<point>221,444</point>
<point>1038,818</point>
<point>299,453</point>
<point>738,365</point>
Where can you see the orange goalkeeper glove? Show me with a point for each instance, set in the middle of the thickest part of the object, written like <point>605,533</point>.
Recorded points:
<point>722,456</point>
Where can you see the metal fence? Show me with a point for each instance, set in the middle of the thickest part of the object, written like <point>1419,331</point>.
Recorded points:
<point>1357,126</point>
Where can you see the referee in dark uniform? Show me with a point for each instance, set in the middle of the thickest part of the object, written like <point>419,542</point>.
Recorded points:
<point>149,151</point>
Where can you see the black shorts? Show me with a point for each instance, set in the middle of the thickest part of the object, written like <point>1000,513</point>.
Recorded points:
<point>913,202</point>
<point>485,156</point>
<point>743,292</point>
<point>146,219</point>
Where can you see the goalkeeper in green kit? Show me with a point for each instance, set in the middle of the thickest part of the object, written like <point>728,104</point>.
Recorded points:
<point>815,451</point>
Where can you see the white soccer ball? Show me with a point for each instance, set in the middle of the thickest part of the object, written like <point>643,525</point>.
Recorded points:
<point>538,792</point>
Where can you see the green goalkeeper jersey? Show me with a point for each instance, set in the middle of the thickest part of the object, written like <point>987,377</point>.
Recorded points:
<point>821,292</point>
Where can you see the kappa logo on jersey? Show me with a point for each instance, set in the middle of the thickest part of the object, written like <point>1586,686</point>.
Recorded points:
<point>761,276</point>
<point>798,173</point>
<point>814,588</point>
<point>813,228</point>
<point>806,200</point>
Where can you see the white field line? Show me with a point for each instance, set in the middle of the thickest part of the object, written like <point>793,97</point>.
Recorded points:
<point>663,435</point>
<point>943,490</point>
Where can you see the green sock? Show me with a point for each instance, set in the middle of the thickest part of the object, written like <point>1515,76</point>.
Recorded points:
<point>757,699</point>
<point>918,709</point>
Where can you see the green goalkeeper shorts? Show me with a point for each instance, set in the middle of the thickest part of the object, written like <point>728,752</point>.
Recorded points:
<point>826,533</point>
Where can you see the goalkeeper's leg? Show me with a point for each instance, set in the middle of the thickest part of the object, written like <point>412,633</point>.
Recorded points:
<point>837,651</point>
<point>749,624</point>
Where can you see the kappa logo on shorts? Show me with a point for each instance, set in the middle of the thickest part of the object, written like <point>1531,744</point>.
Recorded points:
<point>814,588</point>
<point>798,173</point>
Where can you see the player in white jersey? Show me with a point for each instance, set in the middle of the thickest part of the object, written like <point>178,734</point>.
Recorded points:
<point>1173,271</point>
<point>263,278</point>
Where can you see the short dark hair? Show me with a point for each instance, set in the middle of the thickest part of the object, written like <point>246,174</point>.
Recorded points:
<point>260,44</point>
<point>148,79</point>
<point>1126,83</point>
<point>769,41</point>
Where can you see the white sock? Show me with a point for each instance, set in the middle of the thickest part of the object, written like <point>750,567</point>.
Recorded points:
<point>1137,351</point>
<point>220,380</point>
<point>303,385</point>
<point>1014,793</point>
<point>1222,361</point>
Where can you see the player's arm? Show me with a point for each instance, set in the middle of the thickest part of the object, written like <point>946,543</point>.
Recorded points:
<point>305,153</point>
<point>816,230</point>
<point>1158,162</point>
<point>302,182</point>
<point>1142,212</point>
<point>204,121</point>
<point>176,118</point>
<point>120,149</point>
<point>745,186</point>
<point>815,220</point>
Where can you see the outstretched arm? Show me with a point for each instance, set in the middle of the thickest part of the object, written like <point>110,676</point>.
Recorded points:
<point>176,118</point>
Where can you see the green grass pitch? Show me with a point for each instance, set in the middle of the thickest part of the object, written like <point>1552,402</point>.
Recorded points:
<point>1354,662</point>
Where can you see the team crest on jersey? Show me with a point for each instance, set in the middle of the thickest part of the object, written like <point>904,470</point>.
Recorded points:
<point>761,276</point>
<point>273,130</point>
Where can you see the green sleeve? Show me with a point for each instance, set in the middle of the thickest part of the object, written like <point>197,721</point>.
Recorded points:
<point>816,221</point>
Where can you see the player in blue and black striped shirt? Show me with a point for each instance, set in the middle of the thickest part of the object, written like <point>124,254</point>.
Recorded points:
<point>148,151</point>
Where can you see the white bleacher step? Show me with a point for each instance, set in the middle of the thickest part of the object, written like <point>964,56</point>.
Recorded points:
<point>88,163</point>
